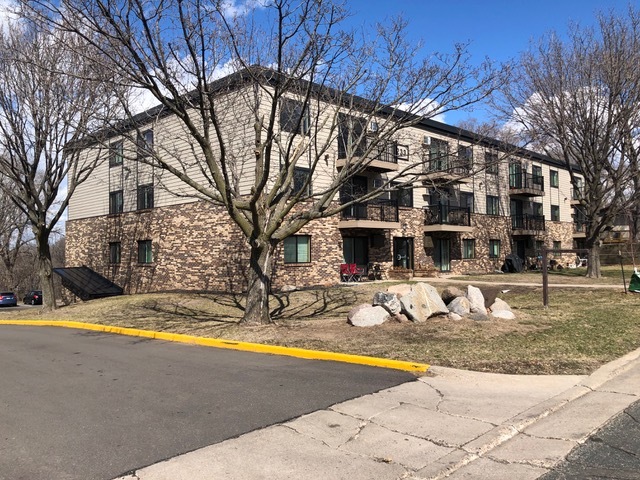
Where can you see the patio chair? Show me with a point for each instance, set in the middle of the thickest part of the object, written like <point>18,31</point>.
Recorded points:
<point>357,273</point>
<point>345,272</point>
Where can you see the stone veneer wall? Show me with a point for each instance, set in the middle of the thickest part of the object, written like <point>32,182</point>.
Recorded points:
<point>195,247</point>
<point>560,232</point>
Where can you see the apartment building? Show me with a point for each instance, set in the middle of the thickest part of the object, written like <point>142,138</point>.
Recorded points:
<point>471,202</point>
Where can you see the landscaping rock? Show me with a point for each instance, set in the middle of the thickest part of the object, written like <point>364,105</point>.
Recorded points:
<point>500,305</point>
<point>489,294</point>
<point>401,318</point>
<point>454,316</point>
<point>476,299</point>
<point>389,301</point>
<point>367,316</point>
<point>400,289</point>
<point>478,316</point>
<point>503,314</point>
<point>449,293</point>
<point>460,305</point>
<point>422,302</point>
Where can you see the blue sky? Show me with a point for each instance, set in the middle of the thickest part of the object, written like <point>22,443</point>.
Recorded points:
<point>498,29</point>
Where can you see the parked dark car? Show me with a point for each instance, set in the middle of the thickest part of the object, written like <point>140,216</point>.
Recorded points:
<point>34,297</point>
<point>8,299</point>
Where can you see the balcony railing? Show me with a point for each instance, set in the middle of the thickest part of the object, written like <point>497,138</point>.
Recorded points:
<point>450,165</point>
<point>388,151</point>
<point>379,210</point>
<point>579,227</point>
<point>528,222</point>
<point>447,215</point>
<point>526,181</point>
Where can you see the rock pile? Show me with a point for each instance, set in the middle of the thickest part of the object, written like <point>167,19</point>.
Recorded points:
<point>421,301</point>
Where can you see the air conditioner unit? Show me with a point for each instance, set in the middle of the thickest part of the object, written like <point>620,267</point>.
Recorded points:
<point>426,140</point>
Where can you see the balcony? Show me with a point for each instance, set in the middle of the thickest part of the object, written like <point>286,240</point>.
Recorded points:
<point>447,169</point>
<point>377,214</point>
<point>445,218</point>
<point>526,185</point>
<point>576,195</point>
<point>579,230</point>
<point>527,224</point>
<point>382,157</point>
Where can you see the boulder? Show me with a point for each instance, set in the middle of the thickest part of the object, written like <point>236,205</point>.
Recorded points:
<point>478,316</point>
<point>389,301</point>
<point>500,305</point>
<point>454,316</point>
<point>422,302</point>
<point>460,306</point>
<point>449,293</point>
<point>400,289</point>
<point>489,294</point>
<point>400,318</point>
<point>367,316</point>
<point>476,299</point>
<point>503,314</point>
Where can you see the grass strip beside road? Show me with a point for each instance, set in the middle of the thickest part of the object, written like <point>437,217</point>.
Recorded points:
<point>581,330</point>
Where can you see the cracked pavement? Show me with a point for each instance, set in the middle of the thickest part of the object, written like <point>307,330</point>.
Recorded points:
<point>449,424</point>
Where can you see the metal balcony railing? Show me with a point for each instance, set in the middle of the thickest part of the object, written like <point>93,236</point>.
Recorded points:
<point>579,227</point>
<point>528,222</point>
<point>524,180</point>
<point>446,164</point>
<point>389,151</point>
<point>379,210</point>
<point>447,215</point>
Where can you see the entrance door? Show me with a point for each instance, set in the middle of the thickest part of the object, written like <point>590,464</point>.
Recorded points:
<point>403,252</point>
<point>517,214</point>
<point>521,246</point>
<point>441,254</point>
<point>355,250</point>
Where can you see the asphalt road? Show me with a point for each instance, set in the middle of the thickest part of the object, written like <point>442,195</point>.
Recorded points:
<point>86,405</point>
<point>613,453</point>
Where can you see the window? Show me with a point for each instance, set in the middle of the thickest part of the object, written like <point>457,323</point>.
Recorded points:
<point>466,200</point>
<point>351,139</point>
<point>300,176</point>
<point>555,213</point>
<point>116,202</point>
<point>491,162</point>
<point>553,178</point>
<point>557,246</point>
<point>403,195</point>
<point>465,157</point>
<point>145,197</point>
<point>114,252</point>
<point>493,205</point>
<point>537,178</point>
<point>494,248</point>
<point>537,209</point>
<point>145,143</point>
<point>297,249</point>
<point>145,253</point>
<point>469,248</point>
<point>438,155</point>
<point>116,154</point>
<point>294,117</point>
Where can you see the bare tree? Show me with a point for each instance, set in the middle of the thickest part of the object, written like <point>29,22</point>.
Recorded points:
<point>579,100</point>
<point>50,95</point>
<point>299,86</point>
<point>13,237</point>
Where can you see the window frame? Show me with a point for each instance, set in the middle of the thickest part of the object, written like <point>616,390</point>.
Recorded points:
<point>555,213</point>
<point>492,165</point>
<point>145,196</point>
<point>297,239</point>
<point>468,200</point>
<point>116,154</point>
<point>403,195</point>
<point>144,143</point>
<point>116,207</point>
<point>295,117</point>
<point>495,203</point>
<point>115,253</point>
<point>554,178</point>
<point>494,242</point>
<point>145,252</point>
<point>557,245</point>
<point>465,156</point>
<point>468,248</point>
<point>297,184</point>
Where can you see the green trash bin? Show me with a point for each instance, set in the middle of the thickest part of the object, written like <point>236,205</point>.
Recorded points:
<point>634,284</point>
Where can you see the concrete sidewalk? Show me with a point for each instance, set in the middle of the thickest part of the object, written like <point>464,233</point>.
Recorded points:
<point>449,424</point>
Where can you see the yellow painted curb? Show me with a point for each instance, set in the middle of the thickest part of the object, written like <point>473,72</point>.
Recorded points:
<point>230,344</point>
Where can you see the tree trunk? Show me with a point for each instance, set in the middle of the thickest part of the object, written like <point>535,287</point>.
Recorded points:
<point>259,285</point>
<point>593,266</point>
<point>45,270</point>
